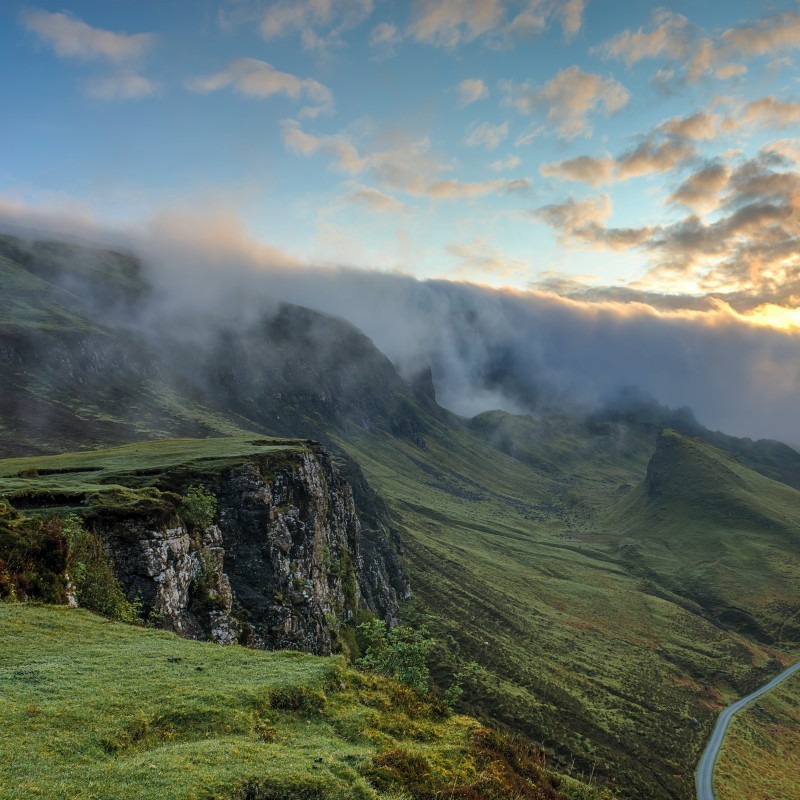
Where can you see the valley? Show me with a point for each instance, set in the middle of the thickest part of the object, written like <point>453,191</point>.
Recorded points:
<point>612,580</point>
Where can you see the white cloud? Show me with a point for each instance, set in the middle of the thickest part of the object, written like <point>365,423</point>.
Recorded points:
<point>320,23</point>
<point>669,37</point>
<point>374,199</point>
<point>571,14</point>
<point>486,135</point>
<point>343,152</point>
<point>471,90</point>
<point>254,78</point>
<point>120,87</point>
<point>71,37</point>
<point>586,169</point>
<point>448,23</point>
<point>385,36</point>
<point>569,99</point>
<point>407,167</point>
<point>512,162</point>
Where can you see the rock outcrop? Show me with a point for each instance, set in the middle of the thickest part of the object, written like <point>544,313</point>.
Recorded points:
<point>280,569</point>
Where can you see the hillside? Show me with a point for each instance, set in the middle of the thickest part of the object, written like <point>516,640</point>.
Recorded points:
<point>705,526</point>
<point>524,541</point>
<point>94,709</point>
<point>761,754</point>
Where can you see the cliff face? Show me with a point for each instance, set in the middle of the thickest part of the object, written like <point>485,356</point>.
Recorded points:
<point>280,569</point>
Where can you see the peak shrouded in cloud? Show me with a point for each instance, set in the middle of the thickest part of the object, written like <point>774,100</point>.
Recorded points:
<point>638,161</point>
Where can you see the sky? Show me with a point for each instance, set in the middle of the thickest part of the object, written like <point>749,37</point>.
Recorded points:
<point>621,159</point>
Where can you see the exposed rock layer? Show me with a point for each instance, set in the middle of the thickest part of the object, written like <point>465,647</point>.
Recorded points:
<point>280,568</point>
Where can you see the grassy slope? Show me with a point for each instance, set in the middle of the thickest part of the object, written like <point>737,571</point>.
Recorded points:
<point>95,709</point>
<point>707,527</point>
<point>761,754</point>
<point>125,477</point>
<point>121,395</point>
<point>577,651</point>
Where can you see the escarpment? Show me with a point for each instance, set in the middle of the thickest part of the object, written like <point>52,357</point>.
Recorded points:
<point>278,569</point>
<point>256,541</point>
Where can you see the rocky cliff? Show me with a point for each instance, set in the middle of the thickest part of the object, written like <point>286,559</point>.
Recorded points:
<point>279,568</point>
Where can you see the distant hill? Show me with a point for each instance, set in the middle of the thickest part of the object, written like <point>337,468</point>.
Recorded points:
<point>707,527</point>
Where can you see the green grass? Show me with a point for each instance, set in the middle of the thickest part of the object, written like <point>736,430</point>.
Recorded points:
<point>761,754</point>
<point>608,669</point>
<point>709,528</point>
<point>98,710</point>
<point>125,475</point>
<point>28,302</point>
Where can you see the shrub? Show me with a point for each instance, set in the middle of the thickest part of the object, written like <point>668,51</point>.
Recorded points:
<point>93,580</point>
<point>198,508</point>
<point>33,557</point>
<point>400,653</point>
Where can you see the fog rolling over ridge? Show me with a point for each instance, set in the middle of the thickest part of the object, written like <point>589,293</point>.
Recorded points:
<point>487,348</point>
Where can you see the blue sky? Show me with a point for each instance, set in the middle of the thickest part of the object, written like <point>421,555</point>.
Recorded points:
<point>584,147</point>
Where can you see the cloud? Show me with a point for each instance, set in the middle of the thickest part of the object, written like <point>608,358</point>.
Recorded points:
<point>448,23</point>
<point>120,87</point>
<point>480,259</point>
<point>471,90</point>
<point>71,37</point>
<point>569,99</point>
<point>320,23</point>
<point>727,71</point>
<point>385,36</point>
<point>573,216</point>
<point>697,55</point>
<point>408,166</point>
<point>594,171</point>
<point>254,78</point>
<point>374,199</point>
<point>699,127</point>
<point>555,352</point>
<point>571,14</point>
<point>512,162</point>
<point>702,190</point>
<point>766,36</point>
<point>669,37</point>
<point>769,112</point>
<point>486,135</point>
<point>343,152</point>
<point>751,244</point>
<point>648,158</point>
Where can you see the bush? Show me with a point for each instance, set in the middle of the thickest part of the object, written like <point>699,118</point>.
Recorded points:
<point>93,580</point>
<point>198,508</point>
<point>400,653</point>
<point>33,557</point>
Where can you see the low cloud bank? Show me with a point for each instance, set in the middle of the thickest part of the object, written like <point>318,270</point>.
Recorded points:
<point>520,351</point>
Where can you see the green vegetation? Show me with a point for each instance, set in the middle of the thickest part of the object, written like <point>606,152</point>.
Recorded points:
<point>47,558</point>
<point>516,568</point>
<point>127,478</point>
<point>400,653</point>
<point>96,709</point>
<point>761,754</point>
<point>197,508</point>
<point>33,558</point>
<point>704,526</point>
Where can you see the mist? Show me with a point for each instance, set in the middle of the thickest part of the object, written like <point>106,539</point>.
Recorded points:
<point>525,352</point>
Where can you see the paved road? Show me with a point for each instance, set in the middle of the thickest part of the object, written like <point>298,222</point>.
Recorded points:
<point>705,769</point>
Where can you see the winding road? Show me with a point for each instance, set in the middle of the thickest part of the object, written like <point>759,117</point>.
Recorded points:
<point>705,769</point>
